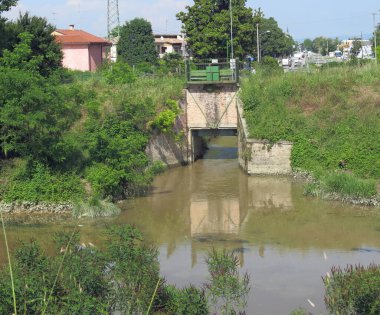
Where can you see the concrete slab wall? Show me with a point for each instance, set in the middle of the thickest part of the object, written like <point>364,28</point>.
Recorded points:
<point>211,106</point>
<point>259,157</point>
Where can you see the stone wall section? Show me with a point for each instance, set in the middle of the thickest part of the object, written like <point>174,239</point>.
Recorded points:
<point>259,157</point>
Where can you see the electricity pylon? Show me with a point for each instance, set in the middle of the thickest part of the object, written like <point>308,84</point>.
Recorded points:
<point>113,20</point>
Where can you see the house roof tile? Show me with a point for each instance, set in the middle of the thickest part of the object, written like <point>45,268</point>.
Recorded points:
<point>78,37</point>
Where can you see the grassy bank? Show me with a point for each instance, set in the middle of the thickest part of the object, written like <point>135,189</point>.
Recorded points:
<point>94,148</point>
<point>331,115</point>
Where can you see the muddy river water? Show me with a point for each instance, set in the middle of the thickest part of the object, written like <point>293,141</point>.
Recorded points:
<point>285,241</point>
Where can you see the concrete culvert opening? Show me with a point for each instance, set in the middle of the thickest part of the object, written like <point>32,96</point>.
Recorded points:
<point>215,144</point>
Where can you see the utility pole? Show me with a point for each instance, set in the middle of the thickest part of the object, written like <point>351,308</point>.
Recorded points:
<point>232,38</point>
<point>113,20</point>
<point>258,42</point>
<point>361,40</point>
<point>375,34</point>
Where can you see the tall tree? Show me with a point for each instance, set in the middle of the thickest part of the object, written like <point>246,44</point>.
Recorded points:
<point>136,43</point>
<point>207,28</point>
<point>42,44</point>
<point>22,57</point>
<point>307,44</point>
<point>356,47</point>
<point>274,41</point>
<point>34,113</point>
<point>5,5</point>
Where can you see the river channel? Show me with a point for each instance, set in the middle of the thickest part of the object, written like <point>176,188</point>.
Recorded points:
<point>285,241</point>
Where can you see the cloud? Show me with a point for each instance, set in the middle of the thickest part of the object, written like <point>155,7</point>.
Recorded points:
<point>74,3</point>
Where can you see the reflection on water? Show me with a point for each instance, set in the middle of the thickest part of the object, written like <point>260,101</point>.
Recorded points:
<point>284,240</point>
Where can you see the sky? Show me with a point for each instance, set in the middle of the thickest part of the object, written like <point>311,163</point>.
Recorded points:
<point>303,19</point>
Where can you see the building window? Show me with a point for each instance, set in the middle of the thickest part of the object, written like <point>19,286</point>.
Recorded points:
<point>177,48</point>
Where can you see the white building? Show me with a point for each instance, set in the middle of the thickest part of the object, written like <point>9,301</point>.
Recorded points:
<point>169,43</point>
<point>365,51</point>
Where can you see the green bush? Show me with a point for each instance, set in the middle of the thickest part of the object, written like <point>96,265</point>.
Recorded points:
<point>36,182</point>
<point>81,129</point>
<point>34,114</point>
<point>119,73</point>
<point>187,301</point>
<point>105,180</point>
<point>165,119</point>
<point>354,290</point>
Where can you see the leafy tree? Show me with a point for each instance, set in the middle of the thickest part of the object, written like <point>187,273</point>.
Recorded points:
<point>42,43</point>
<point>116,145</point>
<point>34,113</point>
<point>207,28</point>
<point>4,38</point>
<point>21,57</point>
<point>5,5</point>
<point>377,36</point>
<point>324,45</point>
<point>136,43</point>
<point>356,47</point>
<point>119,73</point>
<point>273,41</point>
<point>307,44</point>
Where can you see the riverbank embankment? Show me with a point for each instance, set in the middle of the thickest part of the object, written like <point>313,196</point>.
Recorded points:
<point>331,116</point>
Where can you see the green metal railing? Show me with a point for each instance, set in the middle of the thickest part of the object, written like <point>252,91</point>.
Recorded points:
<point>212,71</point>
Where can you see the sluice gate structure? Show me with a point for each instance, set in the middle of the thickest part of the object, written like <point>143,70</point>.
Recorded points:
<point>211,107</point>
<point>211,101</point>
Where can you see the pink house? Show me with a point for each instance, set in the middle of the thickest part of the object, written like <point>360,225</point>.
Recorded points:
<point>81,50</point>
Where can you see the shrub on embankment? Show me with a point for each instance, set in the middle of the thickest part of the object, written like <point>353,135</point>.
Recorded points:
<point>332,116</point>
<point>353,290</point>
<point>80,136</point>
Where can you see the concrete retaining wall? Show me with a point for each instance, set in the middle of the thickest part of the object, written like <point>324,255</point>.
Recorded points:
<point>259,157</point>
<point>163,147</point>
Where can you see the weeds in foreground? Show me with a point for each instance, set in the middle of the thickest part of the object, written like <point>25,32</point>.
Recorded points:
<point>9,264</point>
<point>122,277</point>
<point>226,289</point>
<point>58,273</point>
<point>353,290</point>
